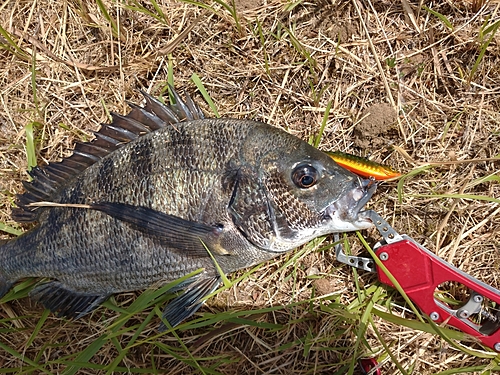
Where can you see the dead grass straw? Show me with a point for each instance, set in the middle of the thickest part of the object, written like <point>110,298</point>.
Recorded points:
<point>407,85</point>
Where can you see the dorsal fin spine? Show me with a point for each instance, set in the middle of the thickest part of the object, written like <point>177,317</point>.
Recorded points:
<point>106,142</point>
<point>116,132</point>
<point>182,109</point>
<point>130,123</point>
<point>147,118</point>
<point>91,148</point>
<point>159,109</point>
<point>87,155</point>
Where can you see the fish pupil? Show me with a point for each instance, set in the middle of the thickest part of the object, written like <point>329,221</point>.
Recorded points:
<point>307,180</point>
<point>305,176</point>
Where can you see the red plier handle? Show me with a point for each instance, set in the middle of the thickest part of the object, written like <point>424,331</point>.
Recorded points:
<point>420,272</point>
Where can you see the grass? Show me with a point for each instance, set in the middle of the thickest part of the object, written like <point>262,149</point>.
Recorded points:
<point>313,70</point>
<point>201,88</point>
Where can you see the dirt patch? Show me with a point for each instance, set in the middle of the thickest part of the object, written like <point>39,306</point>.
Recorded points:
<point>377,128</point>
<point>244,5</point>
<point>324,286</point>
<point>334,27</point>
<point>340,31</point>
<point>332,23</point>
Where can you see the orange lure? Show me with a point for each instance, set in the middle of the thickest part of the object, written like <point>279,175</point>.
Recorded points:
<point>362,166</point>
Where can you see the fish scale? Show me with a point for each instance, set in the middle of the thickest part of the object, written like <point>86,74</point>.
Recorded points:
<point>163,192</point>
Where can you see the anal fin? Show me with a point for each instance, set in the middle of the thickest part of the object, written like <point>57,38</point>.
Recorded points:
<point>65,302</point>
<point>193,297</point>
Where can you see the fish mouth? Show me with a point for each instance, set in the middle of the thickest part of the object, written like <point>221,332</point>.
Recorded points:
<point>346,213</point>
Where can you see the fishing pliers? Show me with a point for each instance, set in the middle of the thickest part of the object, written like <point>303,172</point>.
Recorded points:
<point>420,273</point>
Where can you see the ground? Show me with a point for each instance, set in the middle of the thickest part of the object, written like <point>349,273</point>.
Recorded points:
<point>407,85</point>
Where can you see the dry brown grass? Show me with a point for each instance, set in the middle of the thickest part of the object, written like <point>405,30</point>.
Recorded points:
<point>354,54</point>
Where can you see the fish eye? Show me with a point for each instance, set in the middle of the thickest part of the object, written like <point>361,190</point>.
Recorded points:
<point>305,176</point>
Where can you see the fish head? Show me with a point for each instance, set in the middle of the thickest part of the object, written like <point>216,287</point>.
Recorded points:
<point>305,194</point>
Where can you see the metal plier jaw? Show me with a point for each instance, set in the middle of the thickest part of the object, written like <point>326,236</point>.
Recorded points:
<point>420,272</point>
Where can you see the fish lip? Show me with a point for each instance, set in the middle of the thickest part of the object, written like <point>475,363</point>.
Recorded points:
<point>349,208</point>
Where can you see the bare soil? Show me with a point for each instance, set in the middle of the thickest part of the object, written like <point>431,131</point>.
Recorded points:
<point>377,128</point>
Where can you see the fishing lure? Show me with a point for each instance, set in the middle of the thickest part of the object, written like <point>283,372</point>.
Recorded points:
<point>362,166</point>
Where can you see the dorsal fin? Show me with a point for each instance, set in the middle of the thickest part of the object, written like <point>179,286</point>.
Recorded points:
<point>49,179</point>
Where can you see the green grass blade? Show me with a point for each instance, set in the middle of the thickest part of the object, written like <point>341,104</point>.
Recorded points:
<point>441,17</point>
<point>146,299</point>
<point>231,8</point>
<point>33,83</point>
<point>200,5</point>
<point>19,290</point>
<point>158,11</point>
<point>21,357</point>
<point>136,7</point>
<point>12,46</point>
<point>121,370</point>
<point>386,347</point>
<point>444,335</point>
<point>253,323</point>
<point>393,280</point>
<point>38,327</point>
<point>158,14</point>
<point>260,34</point>
<point>123,353</point>
<point>8,229</point>
<point>317,140</point>
<point>107,16</point>
<point>197,81</point>
<point>363,325</point>
<point>82,359</point>
<point>30,145</point>
<point>410,174</point>
<point>418,325</point>
<point>291,5</point>
<point>227,283</point>
<point>170,70</point>
<point>301,50</point>
<point>106,110</point>
<point>484,46</point>
<point>494,177</point>
<point>170,79</point>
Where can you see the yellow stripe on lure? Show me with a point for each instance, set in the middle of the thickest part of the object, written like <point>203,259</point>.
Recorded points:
<point>362,166</point>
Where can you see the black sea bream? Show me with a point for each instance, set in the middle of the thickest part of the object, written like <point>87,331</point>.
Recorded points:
<point>162,192</point>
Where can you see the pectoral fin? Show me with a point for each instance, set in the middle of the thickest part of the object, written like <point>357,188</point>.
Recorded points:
<point>172,230</point>
<point>193,297</point>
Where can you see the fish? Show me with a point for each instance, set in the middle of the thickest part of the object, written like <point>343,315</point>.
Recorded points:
<point>163,192</point>
<point>363,167</point>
